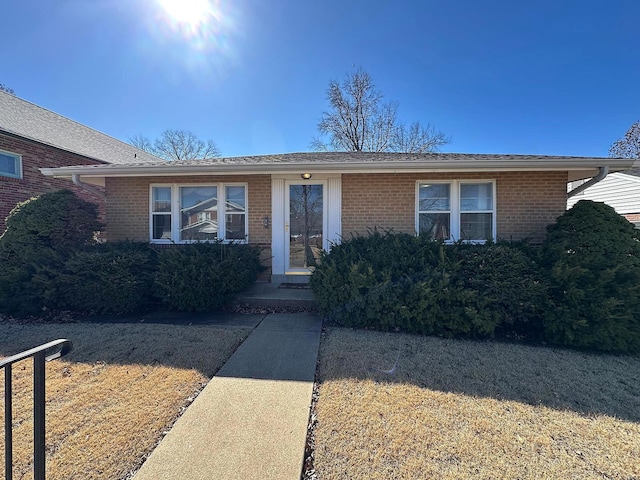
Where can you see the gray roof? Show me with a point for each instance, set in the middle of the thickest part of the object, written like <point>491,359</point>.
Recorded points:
<point>375,158</point>
<point>632,171</point>
<point>348,162</point>
<point>27,120</point>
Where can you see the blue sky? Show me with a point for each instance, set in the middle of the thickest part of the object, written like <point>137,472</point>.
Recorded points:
<point>558,77</point>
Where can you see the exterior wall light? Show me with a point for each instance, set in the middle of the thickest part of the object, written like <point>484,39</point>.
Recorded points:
<point>305,176</point>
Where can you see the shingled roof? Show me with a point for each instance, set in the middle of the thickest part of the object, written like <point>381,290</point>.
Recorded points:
<point>341,160</point>
<point>348,162</point>
<point>27,120</point>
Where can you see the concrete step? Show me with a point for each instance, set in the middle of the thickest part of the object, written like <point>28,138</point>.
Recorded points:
<point>270,295</point>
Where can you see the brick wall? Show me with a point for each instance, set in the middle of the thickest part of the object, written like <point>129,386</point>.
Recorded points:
<point>632,217</point>
<point>33,183</point>
<point>127,207</point>
<point>526,201</point>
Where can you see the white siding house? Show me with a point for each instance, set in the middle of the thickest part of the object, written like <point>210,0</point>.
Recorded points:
<point>618,190</point>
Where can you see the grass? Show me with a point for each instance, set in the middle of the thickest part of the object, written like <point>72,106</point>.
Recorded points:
<point>405,407</point>
<point>112,398</point>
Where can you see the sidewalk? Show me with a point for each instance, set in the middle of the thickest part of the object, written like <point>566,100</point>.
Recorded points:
<point>251,420</point>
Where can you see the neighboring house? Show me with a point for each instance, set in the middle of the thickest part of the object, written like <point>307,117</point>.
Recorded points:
<point>32,137</point>
<point>618,190</point>
<point>294,205</point>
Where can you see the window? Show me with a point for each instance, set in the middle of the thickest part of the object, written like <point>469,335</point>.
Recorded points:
<point>187,213</point>
<point>10,165</point>
<point>161,213</point>
<point>198,213</point>
<point>434,210</point>
<point>476,211</point>
<point>456,210</point>
<point>235,212</point>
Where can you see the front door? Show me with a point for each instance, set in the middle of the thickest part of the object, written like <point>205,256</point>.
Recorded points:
<point>305,219</point>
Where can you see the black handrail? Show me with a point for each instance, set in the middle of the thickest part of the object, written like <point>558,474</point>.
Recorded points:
<point>56,349</point>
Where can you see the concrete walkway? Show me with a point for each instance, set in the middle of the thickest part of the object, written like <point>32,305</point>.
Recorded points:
<point>251,420</point>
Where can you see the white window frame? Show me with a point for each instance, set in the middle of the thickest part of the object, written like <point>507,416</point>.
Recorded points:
<point>454,206</point>
<point>175,211</point>
<point>18,160</point>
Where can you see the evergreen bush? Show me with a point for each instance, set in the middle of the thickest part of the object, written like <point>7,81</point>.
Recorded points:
<point>404,282</point>
<point>109,278</point>
<point>509,283</point>
<point>592,256</point>
<point>41,234</point>
<point>204,276</point>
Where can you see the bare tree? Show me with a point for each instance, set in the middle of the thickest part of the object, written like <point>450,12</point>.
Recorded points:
<point>177,145</point>
<point>629,145</point>
<point>358,121</point>
<point>6,89</point>
<point>417,139</point>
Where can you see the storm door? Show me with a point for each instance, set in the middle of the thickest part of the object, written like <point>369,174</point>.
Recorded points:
<point>304,226</point>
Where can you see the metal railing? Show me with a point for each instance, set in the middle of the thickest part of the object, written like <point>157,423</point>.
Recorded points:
<point>43,353</point>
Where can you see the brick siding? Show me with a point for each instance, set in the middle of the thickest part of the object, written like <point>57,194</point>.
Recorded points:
<point>526,201</point>
<point>34,183</point>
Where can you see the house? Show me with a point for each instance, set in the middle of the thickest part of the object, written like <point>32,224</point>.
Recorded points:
<point>619,190</point>
<point>295,205</point>
<point>32,137</point>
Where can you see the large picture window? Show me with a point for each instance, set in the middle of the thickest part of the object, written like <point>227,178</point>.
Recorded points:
<point>190,213</point>
<point>198,213</point>
<point>456,210</point>
<point>10,165</point>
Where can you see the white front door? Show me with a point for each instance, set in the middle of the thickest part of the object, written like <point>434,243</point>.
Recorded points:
<point>307,218</point>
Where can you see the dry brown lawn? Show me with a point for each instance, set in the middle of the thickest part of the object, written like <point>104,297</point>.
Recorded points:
<point>462,409</point>
<point>112,398</point>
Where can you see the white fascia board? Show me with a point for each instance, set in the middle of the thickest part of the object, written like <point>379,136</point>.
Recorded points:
<point>100,171</point>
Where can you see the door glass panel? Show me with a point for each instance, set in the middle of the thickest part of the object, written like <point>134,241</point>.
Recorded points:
<point>305,225</point>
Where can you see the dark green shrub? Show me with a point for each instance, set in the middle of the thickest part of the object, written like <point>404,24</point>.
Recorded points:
<point>403,282</point>
<point>204,276</point>
<point>41,234</point>
<point>109,278</point>
<point>357,264</point>
<point>510,285</point>
<point>593,258</point>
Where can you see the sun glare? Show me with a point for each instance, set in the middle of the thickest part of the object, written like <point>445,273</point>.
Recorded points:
<point>189,13</point>
<point>198,34</point>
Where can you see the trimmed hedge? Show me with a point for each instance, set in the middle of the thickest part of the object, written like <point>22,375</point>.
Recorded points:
<point>50,262</point>
<point>204,276</point>
<point>581,289</point>
<point>110,278</point>
<point>510,285</point>
<point>404,282</point>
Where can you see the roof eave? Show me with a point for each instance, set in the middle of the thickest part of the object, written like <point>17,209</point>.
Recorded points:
<point>325,167</point>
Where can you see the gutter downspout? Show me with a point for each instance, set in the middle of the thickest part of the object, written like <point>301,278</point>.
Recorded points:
<point>604,171</point>
<point>76,180</point>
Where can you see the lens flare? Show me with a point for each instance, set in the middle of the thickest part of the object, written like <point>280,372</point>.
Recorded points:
<point>196,33</point>
<point>191,18</point>
<point>189,12</point>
